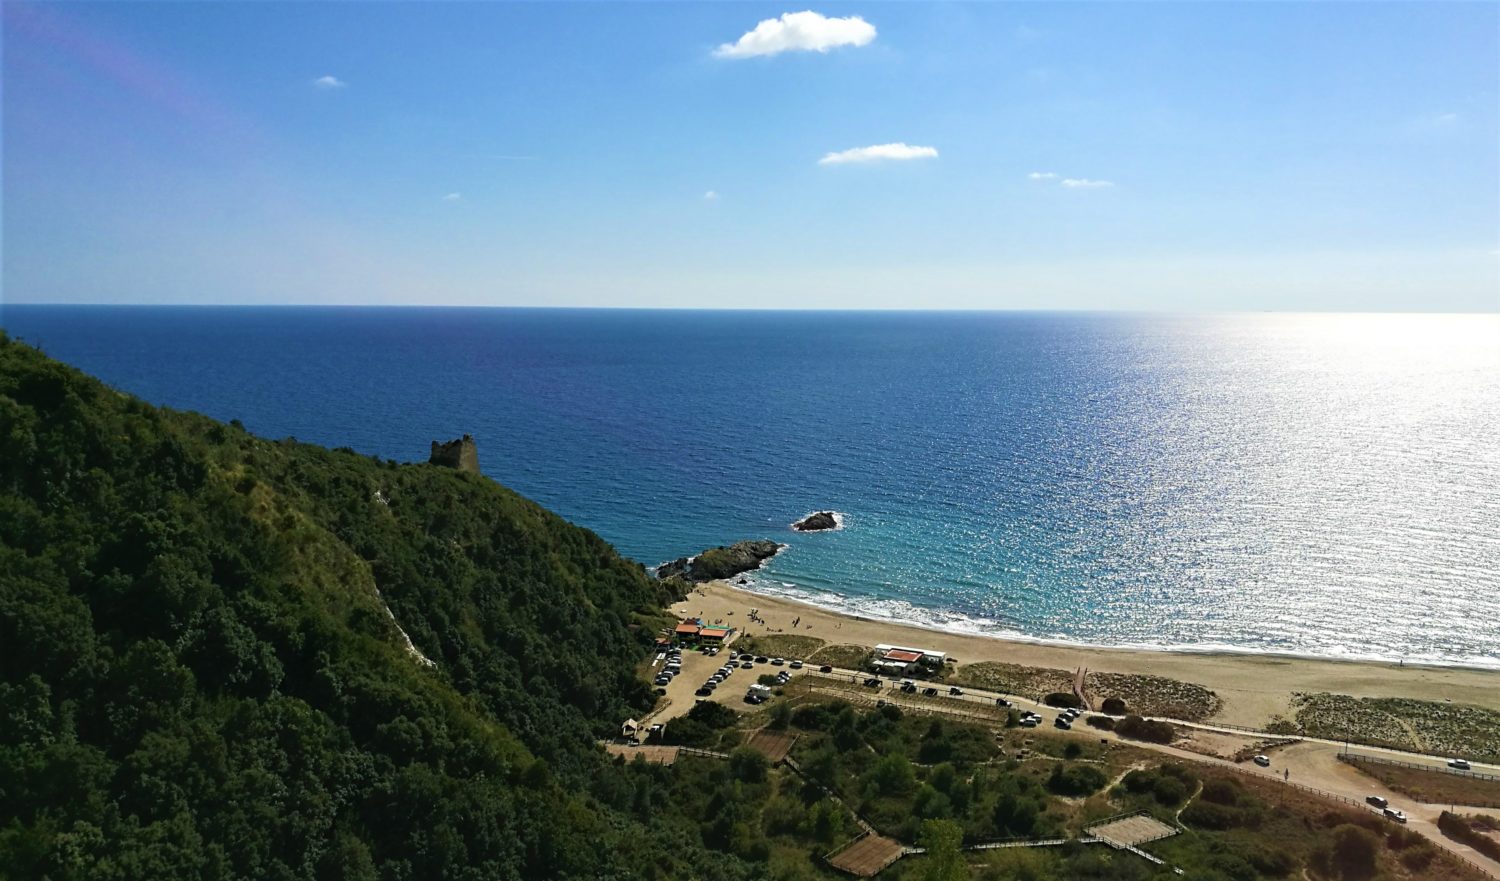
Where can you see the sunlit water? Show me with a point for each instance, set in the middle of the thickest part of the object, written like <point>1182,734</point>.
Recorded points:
<point>1319,484</point>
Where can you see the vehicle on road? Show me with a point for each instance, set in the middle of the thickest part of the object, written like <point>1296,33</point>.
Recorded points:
<point>1377,801</point>
<point>1001,702</point>
<point>746,665</point>
<point>955,690</point>
<point>1063,723</point>
<point>778,662</point>
<point>705,691</point>
<point>796,665</point>
<point>663,680</point>
<point>1263,761</point>
<point>1030,722</point>
<point>872,682</point>
<point>1393,814</point>
<point>930,692</point>
<point>1458,764</point>
<point>825,669</point>
<point>761,659</point>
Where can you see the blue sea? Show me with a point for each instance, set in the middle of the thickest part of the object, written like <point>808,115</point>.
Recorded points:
<point>1323,485</point>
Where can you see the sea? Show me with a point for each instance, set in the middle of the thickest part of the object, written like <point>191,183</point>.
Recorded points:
<point>1321,485</point>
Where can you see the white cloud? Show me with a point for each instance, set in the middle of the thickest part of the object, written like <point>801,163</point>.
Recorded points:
<point>329,82</point>
<point>453,197</point>
<point>1083,183</point>
<point>1043,175</point>
<point>799,31</point>
<point>879,152</point>
<point>710,196</point>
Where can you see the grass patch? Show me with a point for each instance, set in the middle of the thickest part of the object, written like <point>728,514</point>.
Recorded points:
<point>1433,786</point>
<point>780,645</point>
<point>1429,726</point>
<point>852,657</point>
<point>1033,682</point>
<point>1156,695</point>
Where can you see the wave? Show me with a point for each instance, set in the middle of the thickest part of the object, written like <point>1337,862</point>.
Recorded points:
<point>896,611</point>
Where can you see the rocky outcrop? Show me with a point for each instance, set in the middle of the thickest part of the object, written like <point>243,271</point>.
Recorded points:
<point>717,563</point>
<point>462,454</point>
<point>817,522</point>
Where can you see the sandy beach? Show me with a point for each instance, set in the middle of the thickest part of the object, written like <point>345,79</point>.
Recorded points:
<point>1254,688</point>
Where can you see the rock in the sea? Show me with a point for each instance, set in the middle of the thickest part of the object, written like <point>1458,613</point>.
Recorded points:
<point>717,563</point>
<point>816,522</point>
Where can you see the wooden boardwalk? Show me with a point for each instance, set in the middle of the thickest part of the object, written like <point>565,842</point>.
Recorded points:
<point>866,855</point>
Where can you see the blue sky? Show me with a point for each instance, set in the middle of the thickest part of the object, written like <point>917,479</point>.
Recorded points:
<point>1265,156</point>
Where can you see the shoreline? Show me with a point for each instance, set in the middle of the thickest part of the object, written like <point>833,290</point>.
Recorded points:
<point>1254,686</point>
<point>1212,649</point>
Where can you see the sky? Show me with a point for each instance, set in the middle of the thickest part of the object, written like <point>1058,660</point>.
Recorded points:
<point>1206,156</point>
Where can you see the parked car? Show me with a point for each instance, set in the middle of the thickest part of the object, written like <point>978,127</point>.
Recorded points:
<point>872,682</point>
<point>746,665</point>
<point>761,659</point>
<point>954,689</point>
<point>663,680</point>
<point>1063,723</point>
<point>1377,801</point>
<point>909,688</point>
<point>930,691</point>
<point>1459,764</point>
<point>1001,702</point>
<point>1263,761</point>
<point>778,662</point>
<point>1393,814</point>
<point>825,669</point>
<point>1030,722</point>
<point>705,691</point>
<point>796,665</point>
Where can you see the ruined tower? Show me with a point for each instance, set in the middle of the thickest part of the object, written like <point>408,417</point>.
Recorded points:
<point>461,454</point>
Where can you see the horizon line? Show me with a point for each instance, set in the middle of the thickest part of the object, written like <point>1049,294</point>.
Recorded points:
<point>768,309</point>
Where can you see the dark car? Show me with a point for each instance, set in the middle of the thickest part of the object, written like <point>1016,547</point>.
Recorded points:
<point>746,665</point>
<point>761,659</point>
<point>1063,723</point>
<point>825,669</point>
<point>705,691</point>
<point>1001,702</point>
<point>930,692</point>
<point>954,689</point>
<point>909,688</point>
<point>872,683</point>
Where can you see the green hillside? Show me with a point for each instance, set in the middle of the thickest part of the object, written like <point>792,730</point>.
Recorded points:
<point>199,677</point>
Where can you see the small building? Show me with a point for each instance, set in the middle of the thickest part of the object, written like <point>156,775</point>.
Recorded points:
<point>630,728</point>
<point>891,657</point>
<point>715,633</point>
<point>687,630</point>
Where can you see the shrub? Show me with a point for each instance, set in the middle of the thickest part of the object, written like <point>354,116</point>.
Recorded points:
<point>1168,791</point>
<point>1461,829</point>
<point>1150,730</point>
<point>1076,780</point>
<point>1103,722</point>
<point>713,715</point>
<point>1222,791</point>
<point>748,765</point>
<point>1064,699</point>
<point>1113,706</point>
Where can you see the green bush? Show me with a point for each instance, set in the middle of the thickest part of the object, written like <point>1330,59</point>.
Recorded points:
<point>1076,780</point>
<point>1064,699</point>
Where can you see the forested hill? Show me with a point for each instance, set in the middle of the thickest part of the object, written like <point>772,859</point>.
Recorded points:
<point>199,677</point>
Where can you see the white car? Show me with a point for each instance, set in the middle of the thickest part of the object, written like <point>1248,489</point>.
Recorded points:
<point>1263,761</point>
<point>1458,764</point>
<point>1393,814</point>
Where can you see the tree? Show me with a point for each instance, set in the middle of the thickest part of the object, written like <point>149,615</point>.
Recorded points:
<point>945,861</point>
<point>748,765</point>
